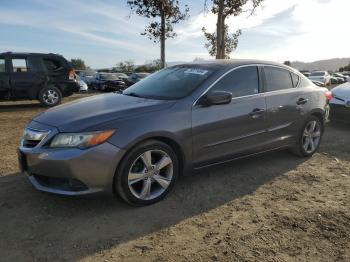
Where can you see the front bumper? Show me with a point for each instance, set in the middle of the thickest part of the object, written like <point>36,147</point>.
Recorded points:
<point>70,171</point>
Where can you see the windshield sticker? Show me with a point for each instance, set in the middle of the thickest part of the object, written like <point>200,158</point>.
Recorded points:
<point>196,71</point>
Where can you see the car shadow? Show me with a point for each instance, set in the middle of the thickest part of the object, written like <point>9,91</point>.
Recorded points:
<point>16,106</point>
<point>74,228</point>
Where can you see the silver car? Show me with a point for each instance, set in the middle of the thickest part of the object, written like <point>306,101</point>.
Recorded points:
<point>180,119</point>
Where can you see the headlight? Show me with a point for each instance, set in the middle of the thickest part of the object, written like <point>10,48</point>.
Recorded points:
<point>81,140</point>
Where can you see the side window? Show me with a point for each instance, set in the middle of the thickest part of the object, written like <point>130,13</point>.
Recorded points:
<point>277,79</point>
<point>20,65</point>
<point>52,65</point>
<point>240,82</point>
<point>304,82</point>
<point>295,79</point>
<point>2,65</point>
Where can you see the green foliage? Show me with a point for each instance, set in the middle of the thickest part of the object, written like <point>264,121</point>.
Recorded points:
<point>345,68</point>
<point>126,66</point>
<point>154,66</point>
<point>169,9</point>
<point>230,45</point>
<point>78,64</point>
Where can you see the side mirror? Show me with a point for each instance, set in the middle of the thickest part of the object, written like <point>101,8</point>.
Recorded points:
<point>216,98</point>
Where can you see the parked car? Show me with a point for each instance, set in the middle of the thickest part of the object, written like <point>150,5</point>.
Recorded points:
<point>180,119</point>
<point>83,87</point>
<point>136,77</point>
<point>344,77</point>
<point>107,82</point>
<point>336,80</point>
<point>31,76</point>
<point>86,75</point>
<point>122,76</point>
<point>340,103</point>
<point>318,83</point>
<point>305,73</point>
<point>321,76</point>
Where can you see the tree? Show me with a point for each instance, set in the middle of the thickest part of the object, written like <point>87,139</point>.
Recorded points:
<point>169,13</point>
<point>220,43</point>
<point>345,68</point>
<point>78,63</point>
<point>126,66</point>
<point>287,63</point>
<point>151,67</point>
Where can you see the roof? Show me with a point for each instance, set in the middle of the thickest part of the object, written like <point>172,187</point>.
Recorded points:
<point>28,53</point>
<point>230,63</point>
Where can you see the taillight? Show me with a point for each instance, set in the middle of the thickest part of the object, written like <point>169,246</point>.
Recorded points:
<point>329,95</point>
<point>71,74</point>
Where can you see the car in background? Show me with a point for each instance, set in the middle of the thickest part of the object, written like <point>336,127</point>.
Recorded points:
<point>83,87</point>
<point>86,75</point>
<point>321,76</point>
<point>107,82</point>
<point>344,77</point>
<point>177,120</point>
<point>305,73</point>
<point>340,103</point>
<point>318,83</point>
<point>122,76</point>
<point>336,80</point>
<point>136,77</point>
<point>36,76</point>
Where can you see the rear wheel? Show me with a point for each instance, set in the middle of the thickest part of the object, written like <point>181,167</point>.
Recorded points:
<point>309,138</point>
<point>147,173</point>
<point>50,96</point>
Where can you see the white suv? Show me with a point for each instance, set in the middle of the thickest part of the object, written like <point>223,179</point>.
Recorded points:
<point>321,76</point>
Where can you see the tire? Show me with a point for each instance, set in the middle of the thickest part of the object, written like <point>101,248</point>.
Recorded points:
<point>133,178</point>
<point>303,148</point>
<point>50,96</point>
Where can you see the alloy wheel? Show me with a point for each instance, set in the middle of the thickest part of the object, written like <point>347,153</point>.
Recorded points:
<point>50,97</point>
<point>311,136</point>
<point>150,174</point>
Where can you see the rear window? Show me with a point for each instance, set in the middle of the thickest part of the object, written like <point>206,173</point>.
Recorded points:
<point>20,65</point>
<point>277,79</point>
<point>2,65</point>
<point>295,79</point>
<point>52,64</point>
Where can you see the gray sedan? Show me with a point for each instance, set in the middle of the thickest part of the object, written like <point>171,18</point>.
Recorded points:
<point>180,119</point>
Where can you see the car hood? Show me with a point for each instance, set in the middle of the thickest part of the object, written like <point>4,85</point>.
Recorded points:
<point>88,112</point>
<point>342,91</point>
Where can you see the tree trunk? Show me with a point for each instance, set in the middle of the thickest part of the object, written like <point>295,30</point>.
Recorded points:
<point>162,40</point>
<point>220,52</point>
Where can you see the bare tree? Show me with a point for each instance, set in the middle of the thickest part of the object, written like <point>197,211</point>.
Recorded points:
<point>220,43</point>
<point>169,13</point>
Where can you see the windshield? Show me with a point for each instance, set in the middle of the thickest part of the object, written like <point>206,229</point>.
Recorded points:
<point>169,83</point>
<point>317,73</point>
<point>109,77</point>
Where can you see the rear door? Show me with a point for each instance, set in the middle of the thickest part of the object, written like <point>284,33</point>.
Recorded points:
<point>285,104</point>
<point>23,77</point>
<point>221,132</point>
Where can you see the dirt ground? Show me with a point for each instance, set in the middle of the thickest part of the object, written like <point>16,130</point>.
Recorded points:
<point>275,207</point>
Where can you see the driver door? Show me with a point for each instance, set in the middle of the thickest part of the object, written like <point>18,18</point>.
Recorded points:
<point>222,132</point>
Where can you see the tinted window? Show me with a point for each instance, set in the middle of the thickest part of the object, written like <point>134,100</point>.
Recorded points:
<point>170,83</point>
<point>277,79</point>
<point>52,64</point>
<point>240,82</point>
<point>20,65</point>
<point>295,79</point>
<point>2,65</point>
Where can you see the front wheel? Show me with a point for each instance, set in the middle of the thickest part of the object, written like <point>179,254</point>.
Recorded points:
<point>50,96</point>
<point>309,138</point>
<point>147,173</point>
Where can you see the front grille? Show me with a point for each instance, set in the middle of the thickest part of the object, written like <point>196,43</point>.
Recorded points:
<point>66,184</point>
<point>30,143</point>
<point>31,137</point>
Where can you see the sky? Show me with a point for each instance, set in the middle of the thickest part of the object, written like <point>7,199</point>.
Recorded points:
<point>104,32</point>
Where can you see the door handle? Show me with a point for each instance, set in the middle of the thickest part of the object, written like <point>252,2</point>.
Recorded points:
<point>302,101</point>
<point>256,112</point>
